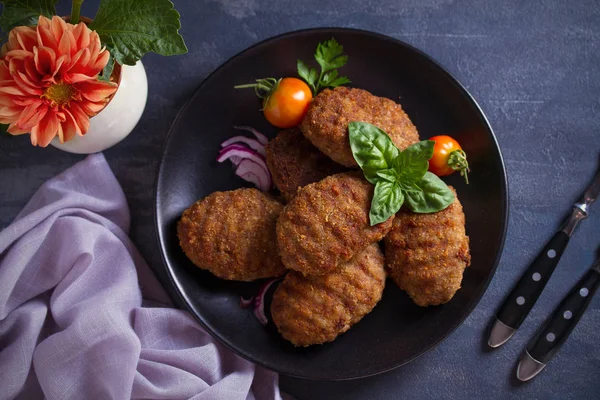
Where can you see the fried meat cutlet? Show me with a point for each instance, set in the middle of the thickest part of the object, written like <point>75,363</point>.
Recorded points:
<point>426,254</point>
<point>294,162</point>
<point>327,224</point>
<point>232,235</point>
<point>326,121</point>
<point>311,310</point>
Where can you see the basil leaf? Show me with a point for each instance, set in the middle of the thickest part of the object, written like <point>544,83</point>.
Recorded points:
<point>389,175</point>
<point>25,12</point>
<point>372,149</point>
<point>413,162</point>
<point>409,186</point>
<point>434,196</point>
<point>130,29</point>
<point>387,200</point>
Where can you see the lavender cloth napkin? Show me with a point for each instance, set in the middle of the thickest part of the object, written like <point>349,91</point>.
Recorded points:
<point>74,323</point>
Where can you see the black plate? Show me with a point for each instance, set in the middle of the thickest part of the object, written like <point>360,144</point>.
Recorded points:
<point>397,331</point>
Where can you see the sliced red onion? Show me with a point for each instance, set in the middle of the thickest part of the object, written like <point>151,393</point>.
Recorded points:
<point>235,160</point>
<point>254,172</point>
<point>261,138</point>
<point>252,143</point>
<point>245,303</point>
<point>259,301</point>
<point>238,150</point>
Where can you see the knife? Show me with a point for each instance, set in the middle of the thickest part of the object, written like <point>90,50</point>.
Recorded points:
<point>558,327</point>
<point>521,299</point>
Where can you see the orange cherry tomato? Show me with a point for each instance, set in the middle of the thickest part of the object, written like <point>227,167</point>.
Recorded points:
<point>448,157</point>
<point>287,103</point>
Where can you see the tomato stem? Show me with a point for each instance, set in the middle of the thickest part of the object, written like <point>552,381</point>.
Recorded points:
<point>263,88</point>
<point>457,160</point>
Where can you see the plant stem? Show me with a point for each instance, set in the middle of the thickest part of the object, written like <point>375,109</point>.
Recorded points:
<point>75,10</point>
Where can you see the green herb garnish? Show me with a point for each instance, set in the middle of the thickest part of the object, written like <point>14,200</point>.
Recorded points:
<point>399,176</point>
<point>330,57</point>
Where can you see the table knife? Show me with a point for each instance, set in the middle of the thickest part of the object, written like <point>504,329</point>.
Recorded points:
<point>521,299</point>
<point>558,327</point>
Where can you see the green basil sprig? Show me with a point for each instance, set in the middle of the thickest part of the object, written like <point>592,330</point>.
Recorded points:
<point>399,176</point>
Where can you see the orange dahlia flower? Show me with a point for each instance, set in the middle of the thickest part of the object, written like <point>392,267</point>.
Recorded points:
<point>49,80</point>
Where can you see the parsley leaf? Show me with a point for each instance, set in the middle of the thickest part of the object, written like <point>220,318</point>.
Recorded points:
<point>130,29</point>
<point>330,57</point>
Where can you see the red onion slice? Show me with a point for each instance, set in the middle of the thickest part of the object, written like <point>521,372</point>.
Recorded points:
<point>259,301</point>
<point>261,138</point>
<point>254,172</point>
<point>237,150</point>
<point>252,143</point>
<point>245,303</point>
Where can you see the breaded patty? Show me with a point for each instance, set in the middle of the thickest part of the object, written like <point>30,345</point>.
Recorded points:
<point>426,254</point>
<point>311,310</point>
<point>327,118</point>
<point>327,224</point>
<point>294,162</point>
<point>232,235</point>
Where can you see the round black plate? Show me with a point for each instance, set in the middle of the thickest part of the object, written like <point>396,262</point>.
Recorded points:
<point>397,331</point>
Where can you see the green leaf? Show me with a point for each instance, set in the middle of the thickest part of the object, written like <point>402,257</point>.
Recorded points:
<point>108,69</point>
<point>413,162</point>
<point>372,149</point>
<point>309,75</point>
<point>342,80</point>
<point>303,71</point>
<point>389,175</point>
<point>329,55</point>
<point>25,12</point>
<point>387,200</point>
<point>130,29</point>
<point>434,196</point>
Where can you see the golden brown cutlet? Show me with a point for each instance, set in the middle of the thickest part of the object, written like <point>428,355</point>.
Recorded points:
<point>232,235</point>
<point>294,162</point>
<point>311,310</point>
<point>426,254</point>
<point>327,118</point>
<point>327,224</point>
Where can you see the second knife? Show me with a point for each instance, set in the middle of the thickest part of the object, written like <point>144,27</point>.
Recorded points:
<point>521,299</point>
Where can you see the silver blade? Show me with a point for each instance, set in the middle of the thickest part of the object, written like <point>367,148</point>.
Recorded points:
<point>592,191</point>
<point>528,367</point>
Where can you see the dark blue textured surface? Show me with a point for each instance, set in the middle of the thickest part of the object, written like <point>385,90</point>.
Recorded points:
<point>534,69</point>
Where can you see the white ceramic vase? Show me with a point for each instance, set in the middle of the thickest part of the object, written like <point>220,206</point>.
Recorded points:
<point>118,119</point>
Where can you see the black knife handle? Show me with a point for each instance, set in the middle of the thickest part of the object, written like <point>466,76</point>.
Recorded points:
<point>558,327</point>
<point>524,295</point>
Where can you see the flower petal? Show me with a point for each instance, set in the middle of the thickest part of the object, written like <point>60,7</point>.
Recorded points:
<point>69,127</point>
<point>81,33</point>
<point>44,33</point>
<point>80,117</point>
<point>13,129</point>
<point>96,90</point>
<point>32,115</point>
<point>45,60</point>
<point>26,37</point>
<point>43,133</point>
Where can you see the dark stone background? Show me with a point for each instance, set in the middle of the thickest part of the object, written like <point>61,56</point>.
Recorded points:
<point>534,69</point>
